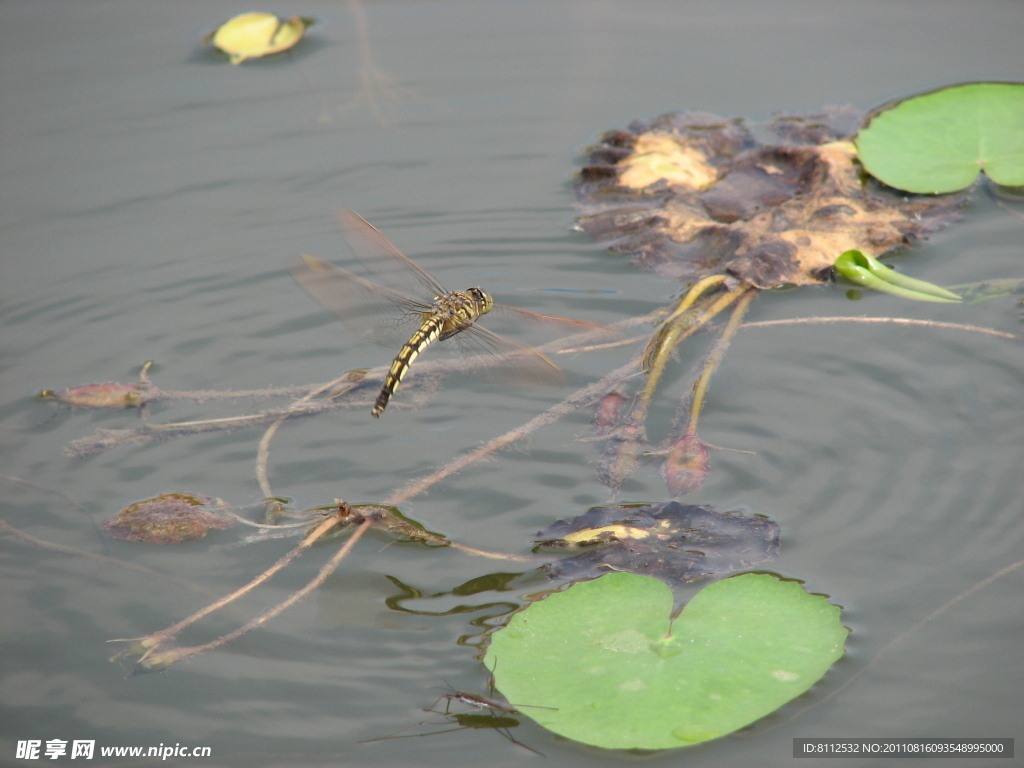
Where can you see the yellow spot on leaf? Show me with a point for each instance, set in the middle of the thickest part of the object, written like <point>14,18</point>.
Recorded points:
<point>660,156</point>
<point>626,641</point>
<point>620,532</point>
<point>694,733</point>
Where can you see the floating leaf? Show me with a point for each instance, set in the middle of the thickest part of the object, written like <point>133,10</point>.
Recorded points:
<point>672,542</point>
<point>110,394</point>
<point>691,195</point>
<point>863,270</point>
<point>938,141</point>
<point>618,674</point>
<point>251,35</point>
<point>169,518</point>
<point>391,520</point>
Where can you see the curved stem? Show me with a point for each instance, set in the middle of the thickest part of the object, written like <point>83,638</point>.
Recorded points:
<point>682,325</point>
<point>578,399</point>
<point>697,290</point>
<point>158,661</point>
<point>148,644</point>
<point>263,448</point>
<point>700,387</point>
<point>7,528</point>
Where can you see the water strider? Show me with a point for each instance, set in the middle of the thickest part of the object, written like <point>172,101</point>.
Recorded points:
<point>408,303</point>
<point>482,712</point>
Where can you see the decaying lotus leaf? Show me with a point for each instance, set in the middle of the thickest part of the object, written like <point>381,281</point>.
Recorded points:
<point>391,520</point>
<point>110,394</point>
<point>169,518</point>
<point>690,195</point>
<point>671,542</point>
<point>251,35</point>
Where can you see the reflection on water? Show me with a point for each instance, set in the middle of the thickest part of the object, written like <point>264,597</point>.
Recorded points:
<point>151,201</point>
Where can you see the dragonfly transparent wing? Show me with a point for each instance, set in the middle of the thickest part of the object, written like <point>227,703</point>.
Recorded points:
<point>514,351</point>
<point>384,263</point>
<point>377,313</point>
<point>534,328</point>
<point>388,308</point>
<point>515,362</point>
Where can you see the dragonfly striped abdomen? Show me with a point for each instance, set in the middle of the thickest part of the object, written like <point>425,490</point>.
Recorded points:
<point>452,313</point>
<point>406,304</point>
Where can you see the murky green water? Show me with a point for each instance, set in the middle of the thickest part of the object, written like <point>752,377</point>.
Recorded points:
<point>150,199</point>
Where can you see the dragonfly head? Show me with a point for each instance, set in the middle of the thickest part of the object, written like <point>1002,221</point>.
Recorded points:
<point>483,299</point>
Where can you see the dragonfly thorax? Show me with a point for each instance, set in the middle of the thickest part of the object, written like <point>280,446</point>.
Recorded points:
<point>457,310</point>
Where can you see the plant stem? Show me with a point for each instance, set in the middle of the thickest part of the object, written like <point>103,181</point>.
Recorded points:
<point>700,386</point>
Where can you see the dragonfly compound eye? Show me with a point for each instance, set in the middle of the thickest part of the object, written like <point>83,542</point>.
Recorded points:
<point>483,298</point>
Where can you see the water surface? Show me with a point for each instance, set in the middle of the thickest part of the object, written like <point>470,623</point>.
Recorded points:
<point>151,196</point>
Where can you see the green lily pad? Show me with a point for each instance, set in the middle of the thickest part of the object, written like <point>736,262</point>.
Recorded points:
<point>617,673</point>
<point>938,141</point>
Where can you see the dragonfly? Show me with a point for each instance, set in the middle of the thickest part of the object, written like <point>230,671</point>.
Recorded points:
<point>408,303</point>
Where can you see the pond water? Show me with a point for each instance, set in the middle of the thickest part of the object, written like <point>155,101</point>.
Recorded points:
<point>151,198</point>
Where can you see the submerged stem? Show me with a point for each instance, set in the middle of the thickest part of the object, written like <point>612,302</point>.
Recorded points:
<point>700,386</point>
<point>158,661</point>
<point>7,528</point>
<point>578,399</point>
<point>149,644</point>
<point>892,320</point>
<point>263,449</point>
<point>687,320</point>
<point>697,290</point>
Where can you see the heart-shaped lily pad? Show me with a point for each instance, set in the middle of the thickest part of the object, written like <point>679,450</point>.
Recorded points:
<point>938,141</point>
<point>603,664</point>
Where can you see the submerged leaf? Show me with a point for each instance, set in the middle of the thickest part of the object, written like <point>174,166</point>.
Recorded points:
<point>620,442</point>
<point>606,415</point>
<point>686,465</point>
<point>620,455</point>
<point>691,195</point>
<point>169,518</point>
<point>615,672</point>
<point>672,542</point>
